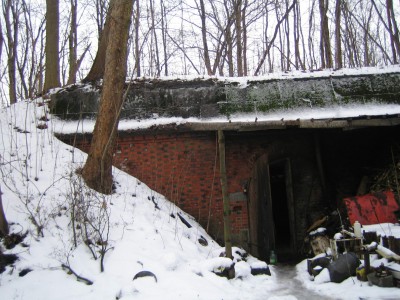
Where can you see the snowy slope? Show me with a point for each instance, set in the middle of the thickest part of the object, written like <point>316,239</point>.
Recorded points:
<point>39,183</point>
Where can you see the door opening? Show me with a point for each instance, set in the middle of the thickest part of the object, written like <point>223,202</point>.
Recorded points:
<point>278,181</point>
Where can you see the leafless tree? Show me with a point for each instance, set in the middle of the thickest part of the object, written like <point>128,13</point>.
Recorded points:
<point>97,171</point>
<point>391,27</point>
<point>325,44</point>
<point>30,61</point>
<point>338,36</point>
<point>101,12</point>
<point>137,45</point>
<point>52,75</point>
<point>11,12</point>
<point>271,42</point>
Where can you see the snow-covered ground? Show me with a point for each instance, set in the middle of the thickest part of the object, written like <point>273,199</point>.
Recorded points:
<point>352,288</point>
<point>142,231</point>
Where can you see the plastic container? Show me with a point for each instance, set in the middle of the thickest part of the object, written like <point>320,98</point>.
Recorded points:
<point>357,230</point>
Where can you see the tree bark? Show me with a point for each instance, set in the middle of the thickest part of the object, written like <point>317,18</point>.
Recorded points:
<point>239,42</point>
<point>52,75</point>
<point>101,13</point>
<point>97,171</point>
<point>164,29</point>
<point>244,37</point>
<point>73,43</point>
<point>338,36</point>
<point>137,46</point>
<point>393,29</point>
<point>155,38</point>
<point>99,64</point>
<point>271,42</point>
<point>1,41</point>
<point>204,38</point>
<point>12,26</point>
<point>325,44</point>
<point>4,230</point>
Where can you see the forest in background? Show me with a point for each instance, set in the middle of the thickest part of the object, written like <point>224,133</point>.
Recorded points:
<point>197,37</point>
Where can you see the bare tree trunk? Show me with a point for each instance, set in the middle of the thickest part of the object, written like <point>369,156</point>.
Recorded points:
<point>271,42</point>
<point>286,27</point>
<point>31,57</point>
<point>11,18</point>
<point>281,44</point>
<point>229,52</point>
<point>97,171</point>
<point>164,29</point>
<point>229,39</point>
<point>296,36</point>
<point>207,61</point>
<point>350,39</point>
<point>99,64</point>
<point>101,12</point>
<point>154,34</point>
<point>367,59</point>
<point>338,36</point>
<point>4,230</point>
<point>1,41</point>
<point>244,37</point>
<point>393,28</point>
<point>137,46</point>
<point>52,75</point>
<point>325,44</point>
<point>73,43</point>
<point>311,31</point>
<point>237,6</point>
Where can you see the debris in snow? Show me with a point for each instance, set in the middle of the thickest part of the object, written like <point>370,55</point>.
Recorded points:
<point>221,266</point>
<point>319,240</point>
<point>24,272</point>
<point>5,260</point>
<point>260,270</point>
<point>184,221</point>
<point>381,277</point>
<point>202,241</point>
<point>78,277</point>
<point>374,208</point>
<point>383,251</point>
<point>142,274</point>
<point>343,267</point>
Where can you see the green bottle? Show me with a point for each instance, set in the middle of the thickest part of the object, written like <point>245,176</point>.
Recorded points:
<point>272,258</point>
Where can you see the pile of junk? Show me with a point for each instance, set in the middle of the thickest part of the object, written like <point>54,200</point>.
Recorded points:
<point>368,247</point>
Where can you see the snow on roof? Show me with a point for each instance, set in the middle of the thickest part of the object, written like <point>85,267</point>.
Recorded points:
<point>237,120</point>
<point>258,106</point>
<point>297,74</point>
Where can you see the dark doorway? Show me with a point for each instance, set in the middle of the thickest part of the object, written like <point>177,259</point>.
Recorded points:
<point>281,208</point>
<point>279,203</point>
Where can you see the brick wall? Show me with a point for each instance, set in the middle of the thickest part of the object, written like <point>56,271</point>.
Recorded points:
<point>184,167</point>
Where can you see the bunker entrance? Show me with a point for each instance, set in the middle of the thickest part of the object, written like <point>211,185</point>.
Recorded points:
<point>278,201</point>
<point>272,202</point>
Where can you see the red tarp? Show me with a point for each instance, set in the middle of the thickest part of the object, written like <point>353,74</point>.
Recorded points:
<point>372,208</point>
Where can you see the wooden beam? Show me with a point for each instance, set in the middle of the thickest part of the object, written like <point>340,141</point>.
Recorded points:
<point>225,196</point>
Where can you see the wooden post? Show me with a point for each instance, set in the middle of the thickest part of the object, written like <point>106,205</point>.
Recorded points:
<point>225,196</point>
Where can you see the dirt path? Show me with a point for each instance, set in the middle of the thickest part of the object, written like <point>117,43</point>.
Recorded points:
<point>291,288</point>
